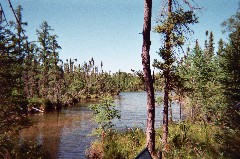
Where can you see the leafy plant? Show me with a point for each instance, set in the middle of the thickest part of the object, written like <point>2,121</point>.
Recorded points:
<point>104,113</point>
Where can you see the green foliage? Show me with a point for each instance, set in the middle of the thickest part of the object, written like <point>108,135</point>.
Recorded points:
<point>49,81</point>
<point>46,77</point>
<point>187,140</point>
<point>118,145</point>
<point>159,100</point>
<point>31,74</point>
<point>35,102</point>
<point>230,60</point>
<point>200,73</point>
<point>13,103</point>
<point>176,24</point>
<point>212,85</point>
<point>104,113</point>
<point>129,81</point>
<point>173,27</point>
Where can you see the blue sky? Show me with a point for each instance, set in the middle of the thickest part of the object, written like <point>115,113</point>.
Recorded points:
<point>108,30</point>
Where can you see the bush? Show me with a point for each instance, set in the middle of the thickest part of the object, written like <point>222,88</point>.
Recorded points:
<point>35,102</point>
<point>104,113</point>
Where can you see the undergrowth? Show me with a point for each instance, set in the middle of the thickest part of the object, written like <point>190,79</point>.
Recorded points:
<point>118,144</point>
<point>12,148</point>
<point>186,140</point>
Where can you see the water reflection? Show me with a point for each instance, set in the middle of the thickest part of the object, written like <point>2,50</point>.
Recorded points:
<point>65,133</point>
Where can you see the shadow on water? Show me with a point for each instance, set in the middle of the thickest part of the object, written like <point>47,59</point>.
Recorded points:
<point>65,133</point>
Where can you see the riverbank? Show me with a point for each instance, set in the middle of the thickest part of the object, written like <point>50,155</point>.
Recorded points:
<point>186,140</point>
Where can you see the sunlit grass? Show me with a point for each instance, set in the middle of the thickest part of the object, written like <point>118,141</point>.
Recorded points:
<point>118,144</point>
<point>186,140</point>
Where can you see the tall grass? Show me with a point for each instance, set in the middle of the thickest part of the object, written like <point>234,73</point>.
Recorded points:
<point>118,144</point>
<point>186,140</point>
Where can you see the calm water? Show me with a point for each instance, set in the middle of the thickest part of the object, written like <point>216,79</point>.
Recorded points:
<point>65,133</point>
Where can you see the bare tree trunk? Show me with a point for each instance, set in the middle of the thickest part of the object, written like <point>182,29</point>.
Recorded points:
<point>170,111</point>
<point>150,133</point>
<point>165,110</point>
<point>180,107</point>
<point>167,83</point>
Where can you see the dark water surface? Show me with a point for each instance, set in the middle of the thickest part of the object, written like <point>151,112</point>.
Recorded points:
<point>65,133</point>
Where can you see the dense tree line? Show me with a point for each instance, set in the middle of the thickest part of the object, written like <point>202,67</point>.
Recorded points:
<point>33,76</point>
<point>211,79</point>
<point>206,80</point>
<point>48,81</point>
<point>208,85</point>
<point>13,102</point>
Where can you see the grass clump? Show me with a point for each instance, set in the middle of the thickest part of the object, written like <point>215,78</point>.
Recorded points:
<point>118,144</point>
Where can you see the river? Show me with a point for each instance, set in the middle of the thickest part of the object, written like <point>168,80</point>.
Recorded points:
<point>66,133</point>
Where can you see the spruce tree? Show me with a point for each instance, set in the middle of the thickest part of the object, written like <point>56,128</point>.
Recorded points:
<point>13,103</point>
<point>230,60</point>
<point>50,72</point>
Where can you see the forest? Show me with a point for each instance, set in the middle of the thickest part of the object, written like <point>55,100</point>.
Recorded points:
<point>205,81</point>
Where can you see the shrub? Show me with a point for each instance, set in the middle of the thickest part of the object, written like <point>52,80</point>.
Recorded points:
<point>104,113</point>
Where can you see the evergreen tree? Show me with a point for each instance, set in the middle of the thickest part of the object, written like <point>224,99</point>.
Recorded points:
<point>54,73</point>
<point>173,27</point>
<point>230,60</point>
<point>44,53</point>
<point>50,73</point>
<point>13,104</point>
